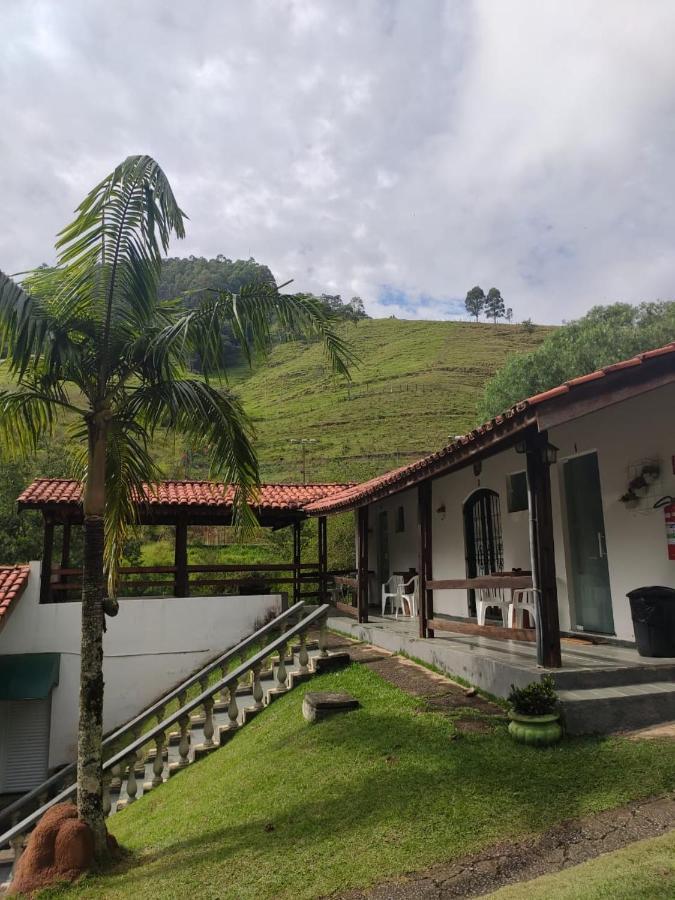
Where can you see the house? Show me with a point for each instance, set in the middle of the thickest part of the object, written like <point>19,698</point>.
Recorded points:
<point>540,498</point>
<point>163,632</point>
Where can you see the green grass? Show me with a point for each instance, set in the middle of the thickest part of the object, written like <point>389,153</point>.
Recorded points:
<point>642,871</point>
<point>292,810</point>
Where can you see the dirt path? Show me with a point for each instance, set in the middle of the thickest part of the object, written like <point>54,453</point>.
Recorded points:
<point>566,844</point>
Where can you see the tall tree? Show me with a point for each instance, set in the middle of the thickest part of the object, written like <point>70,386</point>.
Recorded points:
<point>475,300</point>
<point>603,336</point>
<point>494,305</point>
<point>91,339</point>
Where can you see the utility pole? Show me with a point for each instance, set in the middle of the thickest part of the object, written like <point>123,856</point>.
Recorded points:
<point>303,443</point>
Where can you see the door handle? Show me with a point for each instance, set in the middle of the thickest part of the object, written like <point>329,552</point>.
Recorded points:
<point>602,550</point>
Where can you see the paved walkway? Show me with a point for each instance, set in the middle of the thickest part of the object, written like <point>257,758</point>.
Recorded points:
<point>566,844</point>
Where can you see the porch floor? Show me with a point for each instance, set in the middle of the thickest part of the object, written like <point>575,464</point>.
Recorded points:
<point>494,665</point>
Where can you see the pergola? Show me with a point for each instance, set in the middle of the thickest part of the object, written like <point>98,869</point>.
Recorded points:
<point>181,504</point>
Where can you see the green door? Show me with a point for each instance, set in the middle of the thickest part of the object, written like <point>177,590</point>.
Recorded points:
<point>587,545</point>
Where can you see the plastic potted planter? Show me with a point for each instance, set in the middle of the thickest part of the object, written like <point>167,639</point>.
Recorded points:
<point>535,714</point>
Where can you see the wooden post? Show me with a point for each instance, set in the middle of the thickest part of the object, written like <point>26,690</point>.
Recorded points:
<point>426,596</point>
<point>322,537</point>
<point>543,551</point>
<point>297,559</point>
<point>181,580</point>
<point>46,568</point>
<point>65,548</point>
<point>362,563</point>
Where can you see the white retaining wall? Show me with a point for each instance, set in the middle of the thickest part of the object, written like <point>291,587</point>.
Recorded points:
<point>150,646</point>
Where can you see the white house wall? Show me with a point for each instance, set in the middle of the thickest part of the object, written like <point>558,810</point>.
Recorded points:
<point>623,435</point>
<point>150,646</point>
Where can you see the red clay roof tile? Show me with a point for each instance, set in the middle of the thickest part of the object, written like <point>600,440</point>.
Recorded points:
<point>13,580</point>
<point>48,491</point>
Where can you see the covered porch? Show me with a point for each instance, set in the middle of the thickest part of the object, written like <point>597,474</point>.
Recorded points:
<point>180,506</point>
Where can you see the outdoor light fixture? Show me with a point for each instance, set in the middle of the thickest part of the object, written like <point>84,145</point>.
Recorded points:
<point>551,453</point>
<point>441,510</point>
<point>477,467</point>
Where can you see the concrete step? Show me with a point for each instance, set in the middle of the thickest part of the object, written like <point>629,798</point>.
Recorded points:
<point>613,676</point>
<point>601,710</point>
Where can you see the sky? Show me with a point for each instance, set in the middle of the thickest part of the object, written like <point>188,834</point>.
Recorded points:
<point>399,151</point>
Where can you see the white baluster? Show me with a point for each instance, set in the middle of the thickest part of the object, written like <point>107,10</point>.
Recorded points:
<point>224,694</point>
<point>208,722</point>
<point>184,745</point>
<point>282,674</point>
<point>132,785</point>
<point>303,655</point>
<point>105,799</point>
<point>323,639</point>
<point>116,777</point>
<point>158,762</point>
<point>232,708</point>
<point>257,687</point>
<point>17,845</point>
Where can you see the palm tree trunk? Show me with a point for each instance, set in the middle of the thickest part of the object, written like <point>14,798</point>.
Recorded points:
<point>90,732</point>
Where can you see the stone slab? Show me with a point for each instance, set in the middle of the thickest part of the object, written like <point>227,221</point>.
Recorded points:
<point>331,662</point>
<point>318,705</point>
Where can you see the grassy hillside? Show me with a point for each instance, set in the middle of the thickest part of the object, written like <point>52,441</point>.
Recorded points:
<point>416,384</point>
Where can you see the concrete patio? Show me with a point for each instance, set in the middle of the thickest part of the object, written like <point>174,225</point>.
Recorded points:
<point>603,687</point>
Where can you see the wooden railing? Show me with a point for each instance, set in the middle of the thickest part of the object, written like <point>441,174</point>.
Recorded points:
<point>127,747</point>
<point>305,579</point>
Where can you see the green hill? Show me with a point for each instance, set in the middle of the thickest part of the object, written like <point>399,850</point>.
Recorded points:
<point>416,384</point>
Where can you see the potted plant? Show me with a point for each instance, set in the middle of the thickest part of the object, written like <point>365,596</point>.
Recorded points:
<point>535,714</point>
<point>630,499</point>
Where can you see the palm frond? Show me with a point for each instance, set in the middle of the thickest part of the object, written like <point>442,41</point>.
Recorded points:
<point>26,419</point>
<point>207,415</point>
<point>113,249</point>
<point>258,315</point>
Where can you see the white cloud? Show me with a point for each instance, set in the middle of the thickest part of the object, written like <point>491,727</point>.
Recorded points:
<point>423,147</point>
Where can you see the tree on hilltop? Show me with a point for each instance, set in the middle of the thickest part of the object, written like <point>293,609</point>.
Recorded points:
<point>494,305</point>
<point>475,301</point>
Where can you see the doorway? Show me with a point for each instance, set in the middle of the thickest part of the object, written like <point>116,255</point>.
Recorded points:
<point>587,545</point>
<point>482,537</point>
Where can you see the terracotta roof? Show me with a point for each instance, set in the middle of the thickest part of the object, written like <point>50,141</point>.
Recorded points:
<point>169,494</point>
<point>13,580</point>
<point>516,418</point>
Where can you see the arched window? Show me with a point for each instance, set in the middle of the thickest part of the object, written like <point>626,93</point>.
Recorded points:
<point>482,537</point>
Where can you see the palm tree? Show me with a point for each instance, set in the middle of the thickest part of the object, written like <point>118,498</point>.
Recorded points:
<point>89,342</point>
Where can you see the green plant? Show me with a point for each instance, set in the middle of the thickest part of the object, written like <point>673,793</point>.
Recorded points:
<point>90,341</point>
<point>538,698</point>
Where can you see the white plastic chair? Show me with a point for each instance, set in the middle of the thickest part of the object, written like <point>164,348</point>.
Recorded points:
<point>487,597</point>
<point>524,600</point>
<point>391,590</point>
<point>410,592</point>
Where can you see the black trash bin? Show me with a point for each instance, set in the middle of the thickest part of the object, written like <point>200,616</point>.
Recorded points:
<point>653,611</point>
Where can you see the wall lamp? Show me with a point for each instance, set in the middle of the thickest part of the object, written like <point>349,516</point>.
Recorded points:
<point>550,451</point>
<point>441,510</point>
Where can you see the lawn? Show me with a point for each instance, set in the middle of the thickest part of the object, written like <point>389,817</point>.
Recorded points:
<point>643,871</point>
<point>292,810</point>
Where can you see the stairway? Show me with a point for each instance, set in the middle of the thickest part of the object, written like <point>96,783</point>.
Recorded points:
<point>224,727</point>
<point>601,701</point>
<point>140,756</point>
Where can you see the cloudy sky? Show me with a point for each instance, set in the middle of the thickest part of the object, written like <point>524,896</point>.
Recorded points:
<point>403,151</point>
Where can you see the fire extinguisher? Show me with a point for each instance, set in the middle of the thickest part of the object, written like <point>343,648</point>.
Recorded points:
<point>668,504</point>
